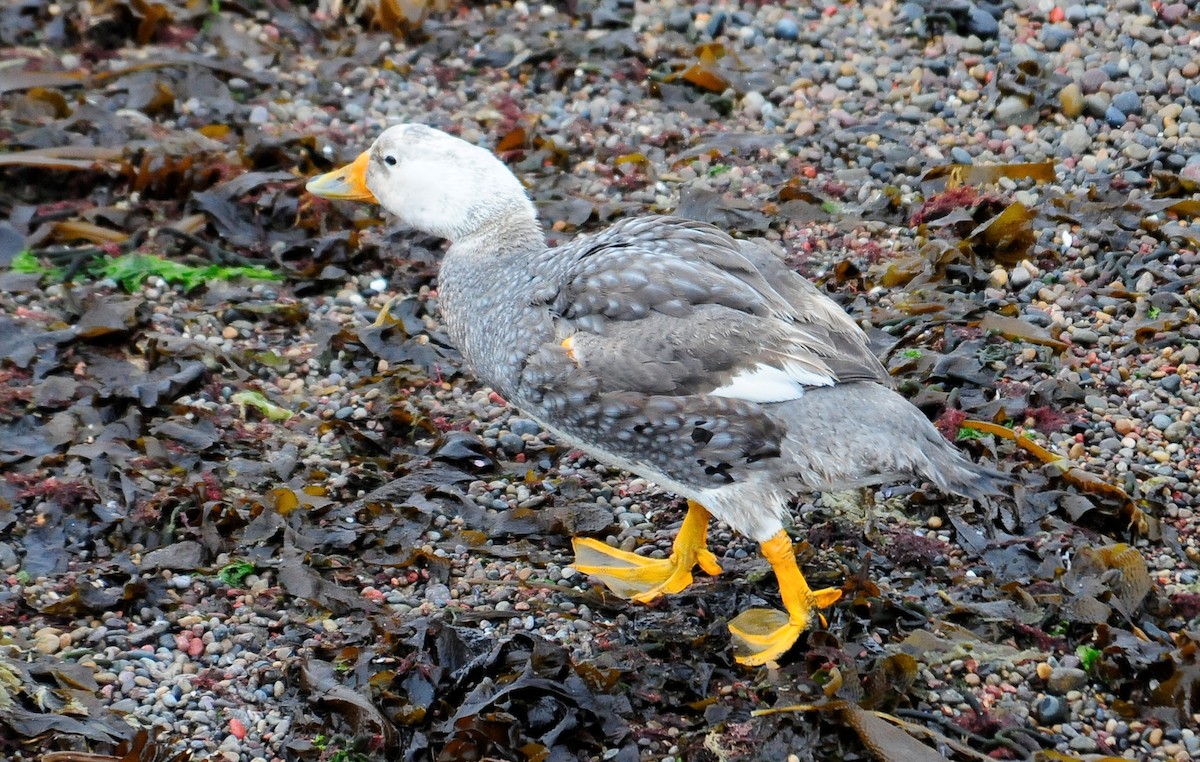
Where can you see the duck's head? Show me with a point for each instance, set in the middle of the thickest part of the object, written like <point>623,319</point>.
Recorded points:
<point>434,182</point>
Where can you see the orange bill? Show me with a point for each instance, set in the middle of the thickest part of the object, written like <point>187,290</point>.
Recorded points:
<point>347,184</point>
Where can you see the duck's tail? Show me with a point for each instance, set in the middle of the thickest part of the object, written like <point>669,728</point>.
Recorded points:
<point>862,434</point>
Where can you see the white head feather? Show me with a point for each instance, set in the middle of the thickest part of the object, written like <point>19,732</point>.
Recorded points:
<point>436,183</point>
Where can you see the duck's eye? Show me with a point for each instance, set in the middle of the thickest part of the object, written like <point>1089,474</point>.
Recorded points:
<point>389,160</point>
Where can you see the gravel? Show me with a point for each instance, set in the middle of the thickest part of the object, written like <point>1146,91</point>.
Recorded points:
<point>863,96</point>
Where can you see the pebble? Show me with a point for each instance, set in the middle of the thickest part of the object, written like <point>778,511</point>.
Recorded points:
<point>1076,140</point>
<point>1177,431</point>
<point>1085,336</point>
<point>1127,102</point>
<point>1051,710</point>
<point>786,29</point>
<point>1083,744</point>
<point>1014,110</point>
<point>1092,79</point>
<point>1063,680</point>
<point>1071,99</point>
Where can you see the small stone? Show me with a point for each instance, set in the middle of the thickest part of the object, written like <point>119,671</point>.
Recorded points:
<point>1066,679</point>
<point>1071,98</point>
<point>1161,421</point>
<point>1051,710</point>
<point>1084,336</point>
<point>1123,425</point>
<point>1136,151</point>
<point>1096,104</point>
<point>1129,102</point>
<point>1177,431</point>
<point>1083,744</point>
<point>259,115</point>
<point>952,697</point>
<point>1114,117</point>
<point>1076,140</point>
<point>1054,37</point>
<point>786,29</point>
<point>511,442</point>
<point>998,278</point>
<point>1173,13</point>
<point>1092,79</point>
<point>716,24</point>
<point>438,594</point>
<point>1155,737</point>
<point>679,20</point>
<point>752,103</point>
<point>47,640</point>
<point>522,427</point>
<point>1044,670</point>
<point>1014,110</point>
<point>1019,278</point>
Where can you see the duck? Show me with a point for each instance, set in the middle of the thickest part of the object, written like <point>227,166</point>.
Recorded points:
<point>667,348</point>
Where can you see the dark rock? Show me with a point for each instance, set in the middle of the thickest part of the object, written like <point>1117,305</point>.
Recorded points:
<point>717,23</point>
<point>523,426</point>
<point>786,29</point>
<point>1129,102</point>
<point>511,442</point>
<point>1051,710</point>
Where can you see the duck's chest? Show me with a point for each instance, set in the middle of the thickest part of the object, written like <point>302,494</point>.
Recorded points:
<point>493,315</point>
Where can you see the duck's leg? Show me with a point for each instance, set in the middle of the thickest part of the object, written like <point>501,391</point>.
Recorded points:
<point>762,635</point>
<point>644,579</point>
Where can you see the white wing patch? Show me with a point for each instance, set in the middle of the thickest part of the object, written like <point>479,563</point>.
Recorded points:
<point>767,383</point>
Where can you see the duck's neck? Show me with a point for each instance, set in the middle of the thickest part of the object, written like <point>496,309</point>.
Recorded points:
<point>514,233</point>
<point>485,288</point>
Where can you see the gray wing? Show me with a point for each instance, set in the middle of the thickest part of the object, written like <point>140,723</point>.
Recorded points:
<point>663,305</point>
<point>669,336</point>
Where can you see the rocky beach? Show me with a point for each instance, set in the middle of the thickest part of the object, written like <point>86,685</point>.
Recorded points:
<point>252,506</point>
